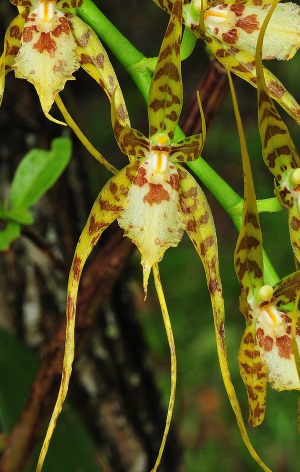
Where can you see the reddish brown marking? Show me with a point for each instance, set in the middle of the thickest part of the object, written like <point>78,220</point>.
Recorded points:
<point>174,182</point>
<point>230,37</point>
<point>249,339</point>
<point>27,33</point>
<point>284,345</point>
<point>96,225</point>
<point>237,9</point>
<point>15,32</point>
<point>45,43</point>
<point>191,226</point>
<point>258,411</point>
<point>265,342</point>
<point>113,187</point>
<point>295,224</point>
<point>77,267</point>
<point>85,59</point>
<point>156,194</point>
<point>248,23</point>
<point>140,179</point>
<point>63,27</point>
<point>275,88</point>
<point>251,393</point>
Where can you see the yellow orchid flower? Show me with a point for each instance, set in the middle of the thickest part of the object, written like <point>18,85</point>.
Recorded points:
<point>46,43</point>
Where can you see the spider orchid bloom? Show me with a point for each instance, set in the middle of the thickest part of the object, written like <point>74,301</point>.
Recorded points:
<point>266,353</point>
<point>45,44</point>
<point>278,150</point>
<point>155,200</point>
<point>230,30</point>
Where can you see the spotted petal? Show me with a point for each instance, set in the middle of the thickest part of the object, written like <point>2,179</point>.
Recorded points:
<point>201,230</point>
<point>106,209</point>
<point>12,43</point>
<point>165,96</point>
<point>238,24</point>
<point>254,374</point>
<point>94,60</point>
<point>286,290</point>
<point>278,149</point>
<point>188,149</point>
<point>47,59</point>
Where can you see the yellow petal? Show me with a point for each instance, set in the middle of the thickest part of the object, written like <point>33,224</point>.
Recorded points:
<point>46,58</point>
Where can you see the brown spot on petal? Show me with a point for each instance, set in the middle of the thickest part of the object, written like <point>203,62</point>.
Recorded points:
<point>76,267</point>
<point>237,9</point>
<point>156,194</point>
<point>45,43</point>
<point>248,23</point>
<point>249,339</point>
<point>140,179</point>
<point>284,345</point>
<point>275,88</point>
<point>174,181</point>
<point>230,37</point>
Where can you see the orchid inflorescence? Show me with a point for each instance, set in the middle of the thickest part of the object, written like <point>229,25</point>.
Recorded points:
<point>155,199</point>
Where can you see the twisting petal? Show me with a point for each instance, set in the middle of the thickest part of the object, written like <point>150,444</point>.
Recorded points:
<point>106,209</point>
<point>201,230</point>
<point>94,60</point>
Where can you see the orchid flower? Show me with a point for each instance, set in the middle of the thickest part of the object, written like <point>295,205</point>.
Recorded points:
<point>46,43</point>
<point>269,348</point>
<point>155,200</point>
<point>278,150</point>
<point>230,30</point>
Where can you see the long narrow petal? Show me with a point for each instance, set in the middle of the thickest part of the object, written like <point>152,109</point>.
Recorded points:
<point>286,290</point>
<point>278,149</point>
<point>12,43</point>
<point>94,60</point>
<point>200,228</point>
<point>165,96</point>
<point>189,149</point>
<point>171,342</point>
<point>254,375</point>
<point>106,209</point>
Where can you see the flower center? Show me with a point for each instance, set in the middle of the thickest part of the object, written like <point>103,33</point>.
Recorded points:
<point>159,162</point>
<point>216,17</point>
<point>46,20</point>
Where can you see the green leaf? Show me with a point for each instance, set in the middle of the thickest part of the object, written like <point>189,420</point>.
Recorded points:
<point>17,215</point>
<point>9,234</point>
<point>38,171</point>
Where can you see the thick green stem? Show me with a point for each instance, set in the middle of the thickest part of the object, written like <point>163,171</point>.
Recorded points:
<point>136,65</point>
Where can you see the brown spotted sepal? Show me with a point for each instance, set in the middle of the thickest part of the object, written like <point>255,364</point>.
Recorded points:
<point>47,43</point>
<point>278,150</point>
<point>107,207</point>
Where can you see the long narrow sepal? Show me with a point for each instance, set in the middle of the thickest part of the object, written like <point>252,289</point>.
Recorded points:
<point>94,60</point>
<point>165,96</point>
<point>278,149</point>
<point>106,209</point>
<point>171,342</point>
<point>248,261</point>
<point>200,228</point>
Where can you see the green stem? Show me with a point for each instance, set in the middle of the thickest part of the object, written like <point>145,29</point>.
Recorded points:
<point>136,65</point>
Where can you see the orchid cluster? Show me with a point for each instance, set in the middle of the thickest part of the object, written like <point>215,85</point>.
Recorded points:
<point>155,199</point>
